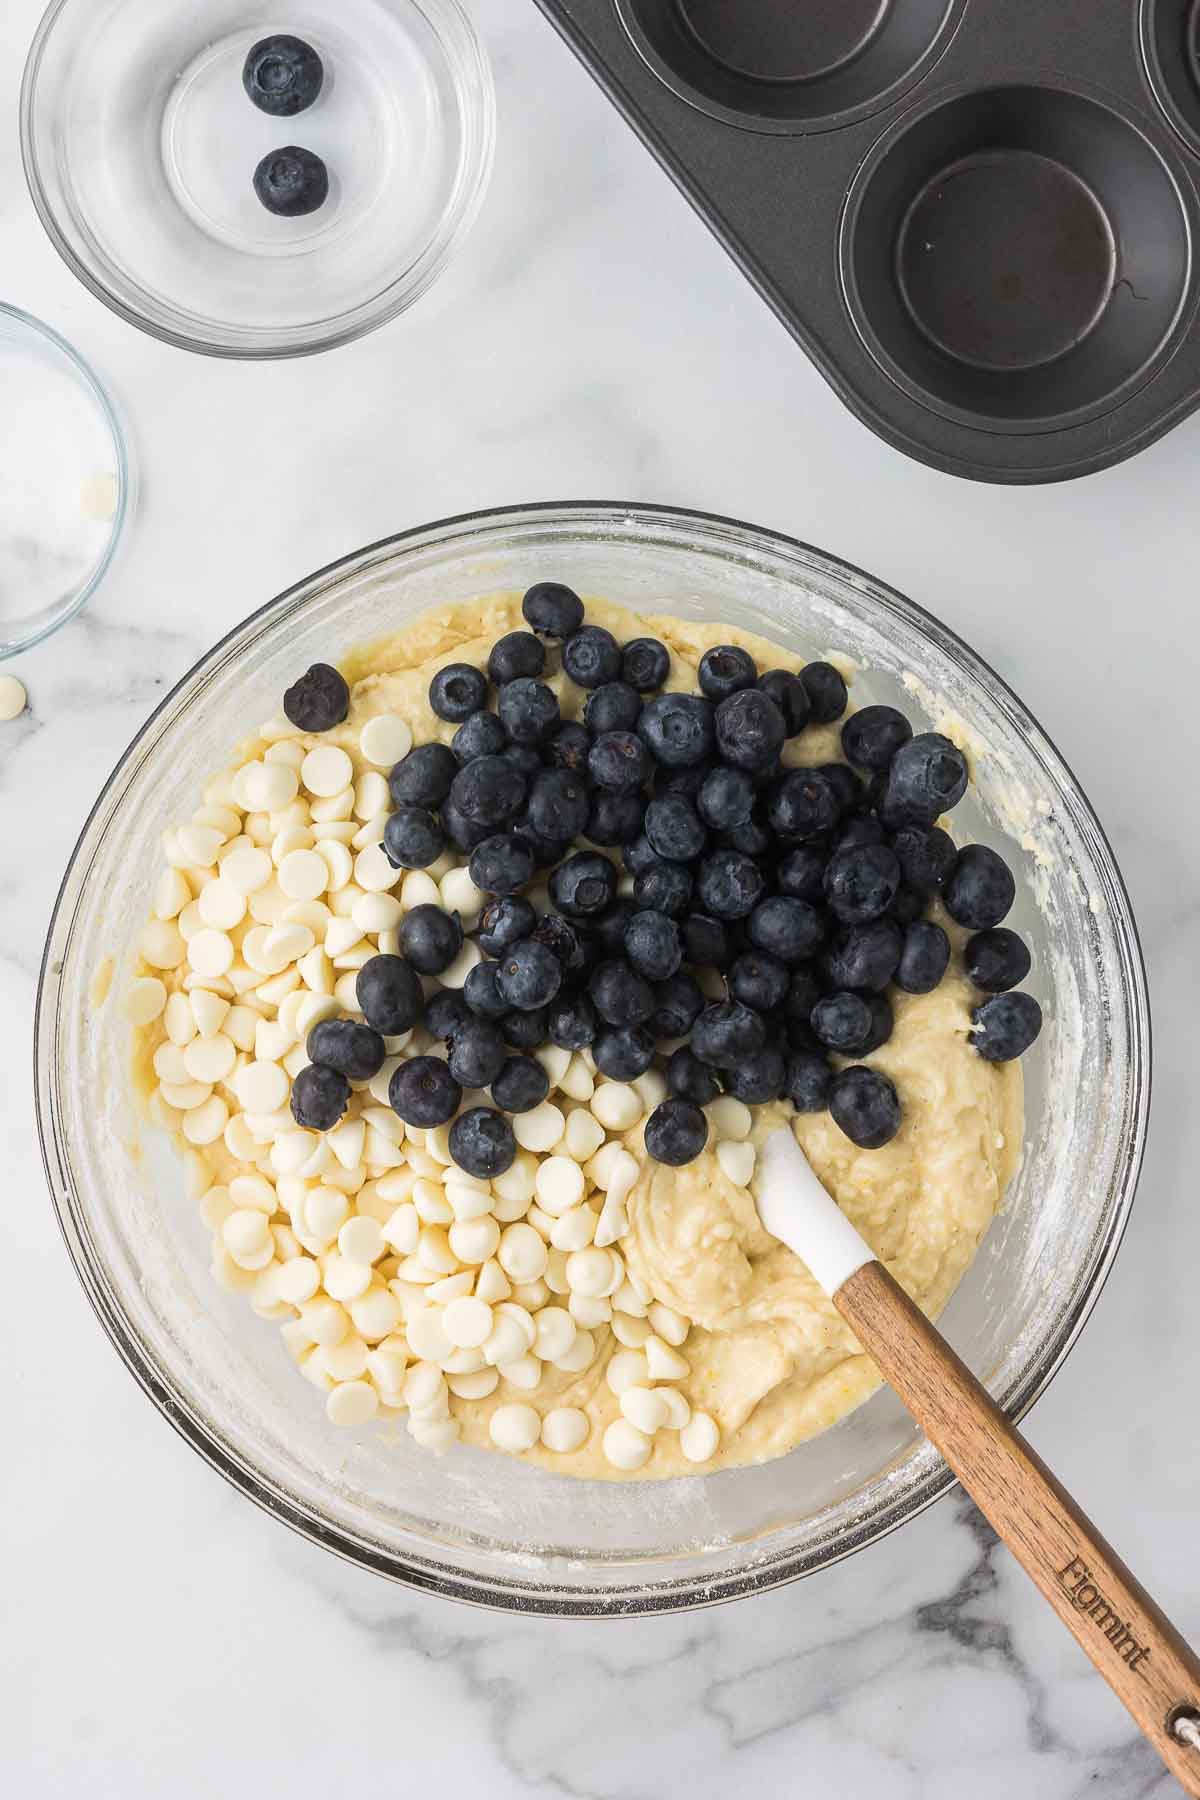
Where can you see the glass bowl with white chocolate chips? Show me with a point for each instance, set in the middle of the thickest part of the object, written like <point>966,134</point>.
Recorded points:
<point>531,1364</point>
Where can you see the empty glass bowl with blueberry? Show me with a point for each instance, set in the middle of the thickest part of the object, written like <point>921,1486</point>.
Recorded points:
<point>252,185</point>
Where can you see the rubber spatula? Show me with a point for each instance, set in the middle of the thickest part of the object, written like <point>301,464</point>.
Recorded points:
<point>1112,1618</point>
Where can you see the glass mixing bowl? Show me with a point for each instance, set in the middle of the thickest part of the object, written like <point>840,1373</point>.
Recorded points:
<point>139,146</point>
<point>483,1527</point>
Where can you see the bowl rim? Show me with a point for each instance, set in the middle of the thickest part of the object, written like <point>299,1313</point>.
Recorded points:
<point>473,77</point>
<point>89,379</point>
<point>492,1591</point>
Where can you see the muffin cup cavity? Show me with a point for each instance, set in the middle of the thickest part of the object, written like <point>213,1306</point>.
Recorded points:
<point>1016,257</point>
<point>1170,33</point>
<point>790,68</point>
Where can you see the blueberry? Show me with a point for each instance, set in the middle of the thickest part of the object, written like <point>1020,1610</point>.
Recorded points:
<point>521,1084</point>
<point>623,1052</point>
<point>616,817</point>
<point>996,960</point>
<point>758,1077</point>
<point>826,690</point>
<point>482,1143</point>
<point>705,941</point>
<point>909,904</point>
<point>319,700</point>
<point>463,834</point>
<point>546,851</point>
<point>802,872</point>
<point>412,838</point>
<point>558,804</point>
<point>653,945</point>
<point>488,791</point>
<point>807,1081</point>
<point>664,887</point>
<point>750,730</point>
<point>528,709</point>
<point>528,975</point>
<point>791,929</point>
<point>320,1095</point>
<point>638,854</point>
<point>866,1107</point>
<point>790,696</point>
<point>445,1012</point>
<point>861,883</point>
<point>729,885</point>
<point>572,1022</point>
<point>525,758</point>
<point>850,790</point>
<point>924,958</point>
<point>926,855</point>
<point>803,993</point>
<point>859,828</point>
<point>430,938</point>
<point>690,1079</point>
<point>457,691</point>
<point>292,182</point>
<point>283,75</point>
<point>678,730</point>
<point>726,1032</point>
<point>675,829</point>
<point>583,885</point>
<point>687,782</point>
<point>1005,1026</point>
<point>608,931</point>
<point>726,798</point>
<point>758,981</point>
<point>355,1051</point>
<point>618,760</point>
<point>645,664</point>
<point>803,805</point>
<point>552,610</point>
<point>568,747</point>
<point>614,707</point>
<point>871,738</point>
<point>477,1053</point>
<point>480,735</point>
<point>591,656</point>
<point>482,995</point>
<point>842,1022</point>
<point>390,994</point>
<point>619,995</point>
<point>864,957</point>
<point>503,922</point>
<point>752,839</point>
<point>515,656</point>
<point>502,865</point>
<point>574,951</point>
<point>980,890</point>
<point>525,1030</point>
<point>799,1036</point>
<point>676,1132</point>
<point>424,1093</point>
<point>424,776</point>
<point>725,670</point>
<point>926,778</point>
<point>678,1003</point>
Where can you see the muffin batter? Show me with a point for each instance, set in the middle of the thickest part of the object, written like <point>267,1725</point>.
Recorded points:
<point>740,1329</point>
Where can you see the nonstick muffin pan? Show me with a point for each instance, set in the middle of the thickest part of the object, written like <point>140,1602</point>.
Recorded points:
<point>977,216</point>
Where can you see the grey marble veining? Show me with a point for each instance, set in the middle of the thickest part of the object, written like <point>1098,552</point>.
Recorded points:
<point>160,1636</point>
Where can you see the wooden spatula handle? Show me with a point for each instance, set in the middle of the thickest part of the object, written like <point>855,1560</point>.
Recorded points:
<point>1113,1619</point>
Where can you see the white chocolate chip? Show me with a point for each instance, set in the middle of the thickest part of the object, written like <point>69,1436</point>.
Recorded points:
<point>559,1185</point>
<point>145,1000</point>
<point>626,1447</point>
<point>645,1408</point>
<point>729,1118</point>
<point>514,1428</point>
<point>539,1129</point>
<point>617,1105</point>
<point>663,1362</point>
<point>671,1326</point>
<point>626,1368</point>
<point>385,740</point>
<point>467,1322</point>
<point>352,1403</point>
<point>737,1160</point>
<point>326,771</point>
<point>13,698</point>
<point>564,1429</point>
<point>699,1438</point>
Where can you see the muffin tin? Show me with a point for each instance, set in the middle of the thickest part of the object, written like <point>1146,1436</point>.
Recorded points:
<point>977,216</point>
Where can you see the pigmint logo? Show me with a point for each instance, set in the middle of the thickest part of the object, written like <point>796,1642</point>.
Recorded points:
<point>1076,1577</point>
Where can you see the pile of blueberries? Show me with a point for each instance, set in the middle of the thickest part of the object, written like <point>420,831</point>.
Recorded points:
<point>806,888</point>
<point>283,76</point>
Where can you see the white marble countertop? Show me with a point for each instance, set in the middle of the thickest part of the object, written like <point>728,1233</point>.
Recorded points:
<point>160,1636</point>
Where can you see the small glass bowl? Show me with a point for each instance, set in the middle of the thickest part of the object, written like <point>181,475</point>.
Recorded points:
<point>65,481</point>
<point>140,145</point>
<point>473,1525</point>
